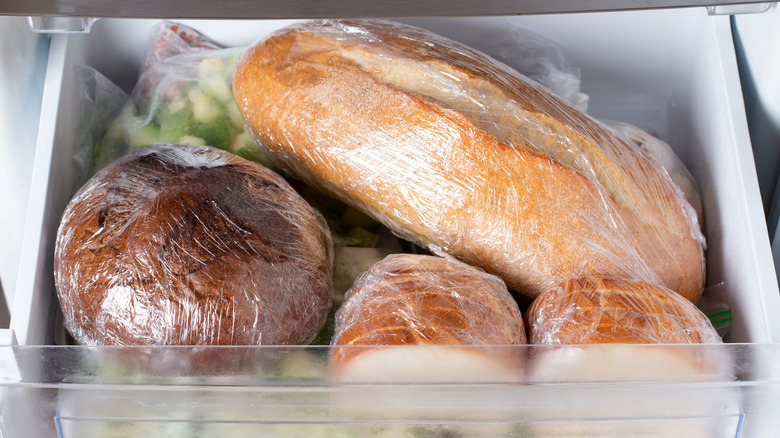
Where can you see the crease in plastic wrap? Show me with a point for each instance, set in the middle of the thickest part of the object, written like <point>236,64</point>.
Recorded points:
<point>190,245</point>
<point>463,155</point>
<point>183,95</point>
<point>417,300</point>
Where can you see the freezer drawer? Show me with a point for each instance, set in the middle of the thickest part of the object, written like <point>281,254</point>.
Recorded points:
<point>670,72</point>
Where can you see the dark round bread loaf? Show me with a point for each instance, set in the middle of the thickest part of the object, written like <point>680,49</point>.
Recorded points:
<point>190,245</point>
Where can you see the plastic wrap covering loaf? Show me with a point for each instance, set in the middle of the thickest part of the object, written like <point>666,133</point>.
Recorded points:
<point>182,244</point>
<point>602,310</point>
<point>415,300</point>
<point>463,155</point>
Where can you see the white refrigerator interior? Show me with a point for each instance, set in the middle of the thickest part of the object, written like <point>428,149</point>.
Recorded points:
<point>673,73</point>
<point>22,66</point>
<point>757,37</point>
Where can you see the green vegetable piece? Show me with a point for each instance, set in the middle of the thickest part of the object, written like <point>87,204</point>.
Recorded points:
<point>235,114</point>
<point>192,140</point>
<point>253,154</point>
<point>217,87</point>
<point>215,134</point>
<point>205,109</point>
<point>175,125</point>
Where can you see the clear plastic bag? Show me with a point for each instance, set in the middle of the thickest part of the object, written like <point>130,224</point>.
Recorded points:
<point>539,59</point>
<point>101,101</point>
<point>183,95</point>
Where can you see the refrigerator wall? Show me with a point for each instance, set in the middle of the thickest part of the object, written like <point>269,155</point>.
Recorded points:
<point>23,56</point>
<point>757,38</point>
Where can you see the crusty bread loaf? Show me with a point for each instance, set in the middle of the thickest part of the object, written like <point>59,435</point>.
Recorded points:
<point>603,310</point>
<point>181,244</point>
<point>413,300</point>
<point>460,154</point>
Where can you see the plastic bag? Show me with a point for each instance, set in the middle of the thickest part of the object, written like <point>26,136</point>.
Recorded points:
<point>183,95</point>
<point>101,101</point>
<point>538,58</point>
<point>190,245</point>
<point>465,156</point>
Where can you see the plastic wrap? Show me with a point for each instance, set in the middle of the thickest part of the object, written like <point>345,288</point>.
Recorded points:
<point>183,244</point>
<point>416,300</point>
<point>465,156</point>
<point>183,95</point>
<point>668,160</point>
<point>539,59</point>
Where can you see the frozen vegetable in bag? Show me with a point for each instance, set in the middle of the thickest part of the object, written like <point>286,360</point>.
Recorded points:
<point>183,95</point>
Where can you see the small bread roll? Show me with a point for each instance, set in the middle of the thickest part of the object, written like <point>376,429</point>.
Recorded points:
<point>603,310</point>
<point>190,245</point>
<point>414,300</point>
<point>426,319</point>
<point>615,316</point>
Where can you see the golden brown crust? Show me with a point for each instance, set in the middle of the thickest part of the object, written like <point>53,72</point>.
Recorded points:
<point>603,310</point>
<point>408,299</point>
<point>191,245</point>
<point>456,152</point>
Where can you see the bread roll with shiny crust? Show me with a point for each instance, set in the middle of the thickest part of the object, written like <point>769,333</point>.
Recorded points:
<point>190,245</point>
<point>460,154</point>
<point>602,322</point>
<point>603,310</point>
<point>413,300</point>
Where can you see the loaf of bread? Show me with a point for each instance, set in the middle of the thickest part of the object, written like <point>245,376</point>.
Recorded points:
<point>190,245</point>
<point>413,300</point>
<point>460,154</point>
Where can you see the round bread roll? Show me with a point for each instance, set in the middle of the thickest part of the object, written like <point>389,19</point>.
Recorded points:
<point>414,300</point>
<point>190,245</point>
<point>604,310</point>
<point>614,316</point>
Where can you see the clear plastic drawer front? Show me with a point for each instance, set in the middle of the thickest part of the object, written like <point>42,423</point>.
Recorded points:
<point>665,390</point>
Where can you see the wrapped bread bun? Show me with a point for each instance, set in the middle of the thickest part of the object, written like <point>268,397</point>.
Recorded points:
<point>426,319</point>
<point>460,154</point>
<point>182,244</point>
<point>603,310</point>
<point>620,333</point>
<point>419,300</point>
